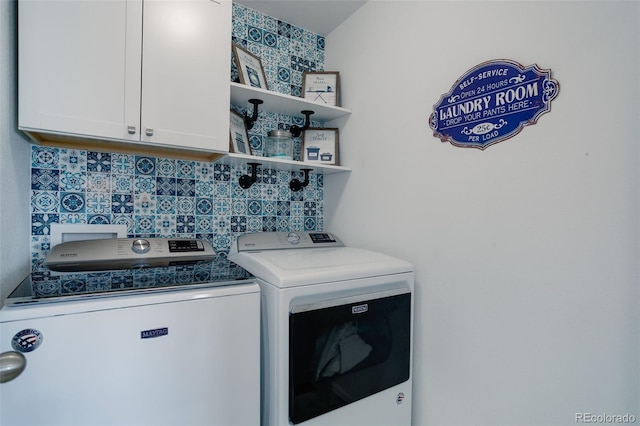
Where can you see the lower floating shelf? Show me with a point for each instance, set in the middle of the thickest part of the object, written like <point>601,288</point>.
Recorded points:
<point>234,159</point>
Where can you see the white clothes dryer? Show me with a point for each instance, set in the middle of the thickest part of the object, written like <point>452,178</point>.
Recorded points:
<point>337,327</point>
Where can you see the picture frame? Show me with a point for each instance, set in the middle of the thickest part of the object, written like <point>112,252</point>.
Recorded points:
<point>321,87</point>
<point>320,146</point>
<point>250,68</point>
<point>238,135</point>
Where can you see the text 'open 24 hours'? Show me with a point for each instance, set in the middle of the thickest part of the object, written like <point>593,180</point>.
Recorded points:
<point>492,102</point>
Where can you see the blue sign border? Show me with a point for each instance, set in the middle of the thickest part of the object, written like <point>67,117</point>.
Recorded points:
<point>492,102</point>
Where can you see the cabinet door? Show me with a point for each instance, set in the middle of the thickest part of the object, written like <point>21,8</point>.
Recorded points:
<point>79,65</point>
<point>185,73</point>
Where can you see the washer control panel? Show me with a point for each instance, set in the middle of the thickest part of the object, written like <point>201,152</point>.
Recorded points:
<point>123,253</point>
<point>285,240</point>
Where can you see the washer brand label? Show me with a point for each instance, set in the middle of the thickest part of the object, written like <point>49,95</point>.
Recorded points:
<point>359,309</point>
<point>493,102</point>
<point>27,340</point>
<point>150,334</point>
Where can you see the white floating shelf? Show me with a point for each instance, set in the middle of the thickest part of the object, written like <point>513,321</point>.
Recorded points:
<point>283,104</point>
<point>234,159</point>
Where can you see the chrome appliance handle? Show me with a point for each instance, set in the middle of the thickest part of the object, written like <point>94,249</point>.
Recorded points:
<point>12,364</point>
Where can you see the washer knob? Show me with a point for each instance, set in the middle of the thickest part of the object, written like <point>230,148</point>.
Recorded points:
<point>140,246</point>
<point>293,238</point>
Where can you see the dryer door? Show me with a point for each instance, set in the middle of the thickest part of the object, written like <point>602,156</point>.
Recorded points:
<point>344,350</point>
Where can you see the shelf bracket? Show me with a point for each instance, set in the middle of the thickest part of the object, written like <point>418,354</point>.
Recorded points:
<point>249,120</point>
<point>295,184</point>
<point>297,130</point>
<point>247,180</point>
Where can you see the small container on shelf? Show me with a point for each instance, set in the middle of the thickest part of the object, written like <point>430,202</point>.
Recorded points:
<point>279,145</point>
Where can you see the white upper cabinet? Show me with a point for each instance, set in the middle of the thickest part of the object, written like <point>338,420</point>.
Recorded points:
<point>151,72</point>
<point>74,65</point>
<point>185,73</point>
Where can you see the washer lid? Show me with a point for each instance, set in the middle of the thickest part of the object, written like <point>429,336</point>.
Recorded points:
<point>295,267</point>
<point>46,286</point>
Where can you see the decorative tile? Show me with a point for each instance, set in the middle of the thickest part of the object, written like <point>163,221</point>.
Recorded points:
<point>185,205</point>
<point>204,188</point>
<point>145,165</point>
<point>99,203</point>
<point>73,160</point>
<point>165,186</point>
<point>185,224</point>
<point>166,167</point>
<point>122,184</point>
<point>204,172</point>
<point>44,158</point>
<point>122,164</point>
<point>144,204</point>
<point>144,225</point>
<point>98,161</point>
<point>186,187</point>
<point>70,181</point>
<point>269,39</point>
<point>284,29</point>
<point>44,179</point>
<point>254,34</point>
<point>166,204</point>
<point>72,202</point>
<point>144,184</point>
<point>270,24</point>
<point>44,201</point>
<point>98,182</point>
<point>122,203</point>
<point>41,223</point>
<point>204,206</point>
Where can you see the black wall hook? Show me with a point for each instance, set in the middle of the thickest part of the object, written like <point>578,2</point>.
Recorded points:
<point>296,185</point>
<point>247,180</point>
<point>249,120</point>
<point>297,130</point>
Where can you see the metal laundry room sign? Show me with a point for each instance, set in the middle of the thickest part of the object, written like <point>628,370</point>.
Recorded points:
<point>492,102</point>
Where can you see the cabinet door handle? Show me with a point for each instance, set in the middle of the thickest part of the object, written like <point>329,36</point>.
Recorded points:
<point>149,131</point>
<point>131,130</point>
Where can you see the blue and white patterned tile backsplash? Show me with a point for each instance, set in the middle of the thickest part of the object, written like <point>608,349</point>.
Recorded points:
<point>286,51</point>
<point>161,197</point>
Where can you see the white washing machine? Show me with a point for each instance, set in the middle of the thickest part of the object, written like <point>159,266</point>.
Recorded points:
<point>165,333</point>
<point>337,327</point>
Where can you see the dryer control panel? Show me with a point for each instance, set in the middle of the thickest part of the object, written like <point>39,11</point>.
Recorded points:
<point>285,240</point>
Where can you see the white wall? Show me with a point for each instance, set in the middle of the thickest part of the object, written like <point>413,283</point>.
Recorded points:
<point>14,163</point>
<point>526,254</point>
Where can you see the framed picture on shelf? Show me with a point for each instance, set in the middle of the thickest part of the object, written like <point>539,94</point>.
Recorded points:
<point>321,87</point>
<point>238,136</point>
<point>320,146</point>
<point>250,68</point>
